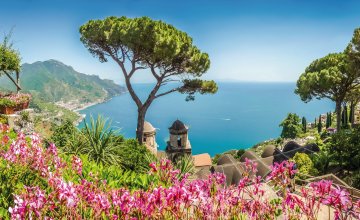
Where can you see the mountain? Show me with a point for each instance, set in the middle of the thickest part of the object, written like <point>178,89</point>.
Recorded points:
<point>53,81</point>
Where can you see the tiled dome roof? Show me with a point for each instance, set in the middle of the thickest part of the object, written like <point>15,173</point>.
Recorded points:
<point>148,128</point>
<point>269,151</point>
<point>178,127</point>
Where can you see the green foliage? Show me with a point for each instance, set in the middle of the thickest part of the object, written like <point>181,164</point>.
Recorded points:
<point>193,86</point>
<point>61,134</point>
<point>185,165</point>
<point>153,42</point>
<point>4,102</point>
<point>149,43</point>
<point>304,164</point>
<point>321,161</point>
<point>319,125</point>
<point>344,117</point>
<point>25,116</point>
<point>13,179</point>
<point>134,156</point>
<point>353,52</point>
<point>215,159</point>
<point>103,145</point>
<point>327,77</point>
<point>3,119</point>
<point>239,153</point>
<point>10,58</point>
<point>115,177</point>
<point>334,76</point>
<point>143,43</point>
<point>323,77</point>
<point>291,127</point>
<point>304,124</point>
<point>356,180</point>
<point>328,120</point>
<point>344,147</point>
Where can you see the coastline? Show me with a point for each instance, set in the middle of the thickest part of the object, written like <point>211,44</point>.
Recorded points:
<point>88,105</point>
<point>85,106</point>
<point>76,107</point>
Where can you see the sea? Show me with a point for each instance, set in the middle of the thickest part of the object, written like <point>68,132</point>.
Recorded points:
<point>238,116</point>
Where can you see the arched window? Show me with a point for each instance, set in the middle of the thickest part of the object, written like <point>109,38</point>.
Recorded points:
<point>179,141</point>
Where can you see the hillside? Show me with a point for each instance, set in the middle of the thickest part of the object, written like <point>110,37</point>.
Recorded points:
<point>53,81</point>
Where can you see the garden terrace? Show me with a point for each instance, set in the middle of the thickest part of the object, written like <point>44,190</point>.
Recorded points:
<point>49,184</point>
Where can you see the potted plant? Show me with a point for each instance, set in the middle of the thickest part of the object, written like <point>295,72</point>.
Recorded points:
<point>7,106</point>
<point>21,100</point>
<point>24,100</point>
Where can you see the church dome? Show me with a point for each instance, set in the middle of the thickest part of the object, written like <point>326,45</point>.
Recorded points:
<point>290,146</point>
<point>269,151</point>
<point>148,128</point>
<point>178,127</point>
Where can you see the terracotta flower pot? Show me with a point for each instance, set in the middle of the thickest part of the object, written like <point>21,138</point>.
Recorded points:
<point>22,106</point>
<point>19,107</point>
<point>25,105</point>
<point>7,110</point>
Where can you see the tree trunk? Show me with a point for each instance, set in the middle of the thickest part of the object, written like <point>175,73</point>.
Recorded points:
<point>140,124</point>
<point>338,115</point>
<point>352,110</point>
<point>12,80</point>
<point>17,82</point>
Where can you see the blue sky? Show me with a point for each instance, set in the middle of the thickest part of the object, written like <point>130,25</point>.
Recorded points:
<point>247,40</point>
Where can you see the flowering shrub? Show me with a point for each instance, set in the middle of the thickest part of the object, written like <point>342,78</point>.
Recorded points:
<point>18,98</point>
<point>51,194</point>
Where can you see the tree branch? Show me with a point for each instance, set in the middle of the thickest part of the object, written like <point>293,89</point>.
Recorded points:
<point>168,92</point>
<point>157,77</point>
<point>15,83</point>
<point>127,82</point>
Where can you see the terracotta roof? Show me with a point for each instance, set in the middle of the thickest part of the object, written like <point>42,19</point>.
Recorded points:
<point>202,160</point>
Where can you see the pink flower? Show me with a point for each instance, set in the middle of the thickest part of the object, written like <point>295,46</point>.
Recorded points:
<point>153,167</point>
<point>67,193</point>
<point>77,164</point>
<point>167,196</point>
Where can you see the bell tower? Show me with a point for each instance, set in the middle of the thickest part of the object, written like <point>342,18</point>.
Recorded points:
<point>149,140</point>
<point>178,144</point>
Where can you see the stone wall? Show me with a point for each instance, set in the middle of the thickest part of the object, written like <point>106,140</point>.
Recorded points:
<point>21,121</point>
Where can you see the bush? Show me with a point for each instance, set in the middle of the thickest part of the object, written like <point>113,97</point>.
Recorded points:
<point>239,153</point>
<point>25,116</point>
<point>215,159</point>
<point>344,147</point>
<point>304,164</point>
<point>291,127</point>
<point>103,145</point>
<point>133,156</point>
<point>4,102</point>
<point>321,161</point>
<point>356,180</point>
<point>61,134</point>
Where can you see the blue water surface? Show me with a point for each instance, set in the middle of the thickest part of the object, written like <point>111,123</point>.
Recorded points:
<point>238,116</point>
